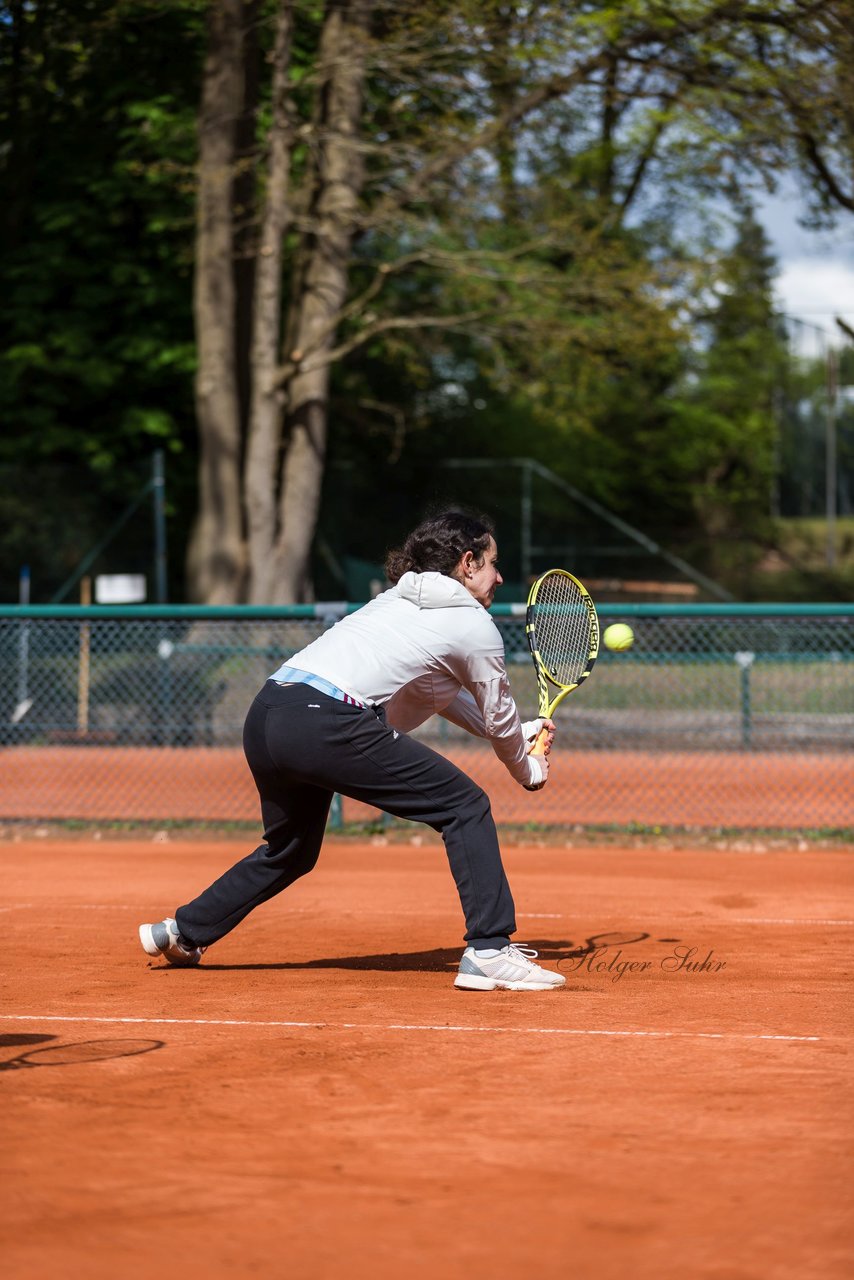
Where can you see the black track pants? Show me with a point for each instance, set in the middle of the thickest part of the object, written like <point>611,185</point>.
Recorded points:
<point>302,746</point>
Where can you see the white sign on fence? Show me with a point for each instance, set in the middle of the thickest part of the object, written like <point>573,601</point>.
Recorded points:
<point>120,588</point>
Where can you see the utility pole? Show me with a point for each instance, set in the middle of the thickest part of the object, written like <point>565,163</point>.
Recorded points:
<point>831,366</point>
<point>527,516</point>
<point>830,456</point>
<point>158,491</point>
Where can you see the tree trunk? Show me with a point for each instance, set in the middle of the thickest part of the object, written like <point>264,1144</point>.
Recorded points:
<point>504,75</point>
<point>265,418</point>
<point>216,554</point>
<point>245,207</point>
<point>312,327</point>
<point>610,115</point>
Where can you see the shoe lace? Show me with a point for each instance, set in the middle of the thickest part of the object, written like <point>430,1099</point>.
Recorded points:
<point>521,951</point>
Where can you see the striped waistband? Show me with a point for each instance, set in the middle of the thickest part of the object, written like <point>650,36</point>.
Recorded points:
<point>292,675</point>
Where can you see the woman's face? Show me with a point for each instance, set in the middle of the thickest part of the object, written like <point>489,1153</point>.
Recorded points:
<point>480,578</point>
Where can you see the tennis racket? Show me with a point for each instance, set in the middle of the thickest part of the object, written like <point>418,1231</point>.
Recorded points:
<point>562,628</point>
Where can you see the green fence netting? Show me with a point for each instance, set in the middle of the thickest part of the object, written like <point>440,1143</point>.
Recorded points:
<point>719,716</point>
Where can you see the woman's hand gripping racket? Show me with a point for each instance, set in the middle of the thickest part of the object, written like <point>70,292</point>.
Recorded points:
<point>562,627</point>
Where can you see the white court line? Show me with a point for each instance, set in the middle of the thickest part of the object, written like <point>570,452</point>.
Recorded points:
<point>399,1026</point>
<point>741,920</point>
<point>522,915</point>
<point>102,906</point>
<point>534,915</point>
<point>72,906</point>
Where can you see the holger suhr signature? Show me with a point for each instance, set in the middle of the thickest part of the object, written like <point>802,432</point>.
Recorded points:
<point>612,961</point>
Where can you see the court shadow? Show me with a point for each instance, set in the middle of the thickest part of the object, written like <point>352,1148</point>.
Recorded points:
<point>441,959</point>
<point>14,1039</point>
<point>438,960</point>
<point>77,1053</point>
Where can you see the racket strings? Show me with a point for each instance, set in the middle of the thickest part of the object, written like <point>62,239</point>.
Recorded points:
<point>562,623</point>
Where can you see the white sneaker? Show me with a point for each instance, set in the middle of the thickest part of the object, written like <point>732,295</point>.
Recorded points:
<point>164,939</point>
<point>510,969</point>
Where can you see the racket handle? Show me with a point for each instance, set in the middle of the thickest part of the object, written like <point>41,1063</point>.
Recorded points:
<point>539,747</point>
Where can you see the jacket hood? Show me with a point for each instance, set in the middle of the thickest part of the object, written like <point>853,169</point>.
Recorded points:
<point>435,591</point>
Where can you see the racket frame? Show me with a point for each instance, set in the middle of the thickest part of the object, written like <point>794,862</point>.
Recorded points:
<point>547,706</point>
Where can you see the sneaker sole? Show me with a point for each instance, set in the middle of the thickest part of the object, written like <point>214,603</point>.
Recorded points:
<point>146,937</point>
<point>151,948</point>
<point>471,982</point>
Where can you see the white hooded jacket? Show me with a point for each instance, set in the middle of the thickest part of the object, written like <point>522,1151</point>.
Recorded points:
<point>426,646</point>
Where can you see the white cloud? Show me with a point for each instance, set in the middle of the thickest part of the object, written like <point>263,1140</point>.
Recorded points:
<point>815,269</point>
<point>814,290</point>
<point>782,214</point>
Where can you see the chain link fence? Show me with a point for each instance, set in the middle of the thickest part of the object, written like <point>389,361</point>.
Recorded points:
<point>718,717</point>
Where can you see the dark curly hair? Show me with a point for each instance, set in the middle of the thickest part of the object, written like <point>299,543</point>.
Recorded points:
<point>438,543</point>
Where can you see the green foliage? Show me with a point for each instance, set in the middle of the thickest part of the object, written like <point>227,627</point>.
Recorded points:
<point>95,272</point>
<point>579,303</point>
<point>612,334</point>
<point>715,449</point>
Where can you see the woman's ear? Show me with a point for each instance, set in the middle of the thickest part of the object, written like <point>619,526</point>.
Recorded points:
<point>467,560</point>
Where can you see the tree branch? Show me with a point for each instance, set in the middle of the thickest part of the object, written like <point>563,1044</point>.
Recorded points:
<point>321,358</point>
<point>554,87</point>
<point>557,86</point>
<point>813,152</point>
<point>425,257</point>
<point>640,168</point>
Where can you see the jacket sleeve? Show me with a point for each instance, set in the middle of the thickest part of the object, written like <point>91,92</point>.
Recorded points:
<point>485,706</point>
<point>464,712</point>
<point>504,729</point>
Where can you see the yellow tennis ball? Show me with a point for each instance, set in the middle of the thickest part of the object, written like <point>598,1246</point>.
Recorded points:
<point>619,637</point>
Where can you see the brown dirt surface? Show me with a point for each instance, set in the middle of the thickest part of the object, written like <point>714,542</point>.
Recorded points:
<point>704,789</point>
<point>317,1101</point>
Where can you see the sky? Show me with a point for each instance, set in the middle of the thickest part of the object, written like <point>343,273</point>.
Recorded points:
<point>816,269</point>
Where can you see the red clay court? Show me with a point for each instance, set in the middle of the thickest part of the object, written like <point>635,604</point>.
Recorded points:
<point>317,1101</point>
<point>693,788</point>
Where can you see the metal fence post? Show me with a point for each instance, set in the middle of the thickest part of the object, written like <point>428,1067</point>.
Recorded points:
<point>744,661</point>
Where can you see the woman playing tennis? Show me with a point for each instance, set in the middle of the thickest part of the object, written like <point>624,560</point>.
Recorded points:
<point>336,718</point>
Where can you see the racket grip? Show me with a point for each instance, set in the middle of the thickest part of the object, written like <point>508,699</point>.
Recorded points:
<point>539,747</point>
